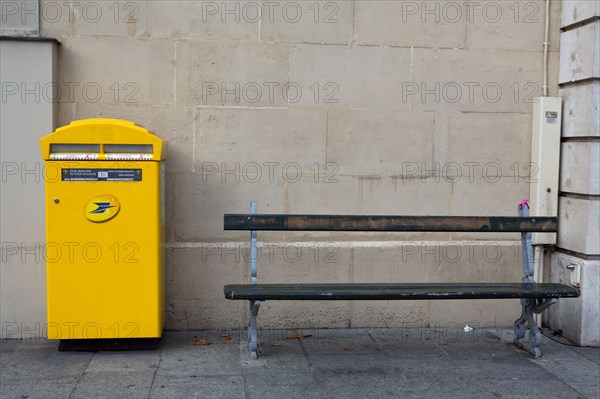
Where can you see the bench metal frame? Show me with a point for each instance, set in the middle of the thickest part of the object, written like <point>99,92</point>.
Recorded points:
<point>535,298</point>
<point>529,306</point>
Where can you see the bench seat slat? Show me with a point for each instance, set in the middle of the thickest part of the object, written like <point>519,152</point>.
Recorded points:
<point>390,223</point>
<point>397,291</point>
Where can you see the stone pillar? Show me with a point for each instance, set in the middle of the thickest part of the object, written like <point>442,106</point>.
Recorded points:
<point>579,201</point>
<point>28,77</point>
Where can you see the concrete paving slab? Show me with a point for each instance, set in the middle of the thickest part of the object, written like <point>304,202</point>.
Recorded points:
<point>130,361</point>
<point>41,360</point>
<point>229,387</point>
<point>363,385</point>
<point>37,388</point>
<point>282,354</point>
<point>416,350</point>
<point>280,383</point>
<point>347,363</point>
<point>117,384</point>
<point>573,369</point>
<point>524,388</point>
<point>592,354</point>
<point>7,348</point>
<point>215,337</point>
<point>339,345</point>
<point>482,351</point>
<point>184,361</point>
<point>517,367</point>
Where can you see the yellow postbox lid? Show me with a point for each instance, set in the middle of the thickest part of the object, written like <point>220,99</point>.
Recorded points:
<point>103,139</point>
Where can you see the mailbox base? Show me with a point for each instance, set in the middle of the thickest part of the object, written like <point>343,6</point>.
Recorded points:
<point>108,344</point>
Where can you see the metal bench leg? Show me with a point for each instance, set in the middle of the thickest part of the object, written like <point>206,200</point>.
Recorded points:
<point>532,344</point>
<point>529,306</point>
<point>253,330</point>
<point>254,305</point>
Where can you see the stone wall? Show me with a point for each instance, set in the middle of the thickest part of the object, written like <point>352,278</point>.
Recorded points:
<point>579,201</point>
<point>373,107</point>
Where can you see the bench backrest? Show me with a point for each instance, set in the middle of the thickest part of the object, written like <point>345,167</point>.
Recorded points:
<point>508,224</point>
<point>523,224</point>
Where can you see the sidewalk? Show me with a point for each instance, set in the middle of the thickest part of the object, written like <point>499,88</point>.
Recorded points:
<point>339,363</point>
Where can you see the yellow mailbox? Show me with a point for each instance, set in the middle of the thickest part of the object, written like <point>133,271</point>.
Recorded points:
<point>104,231</point>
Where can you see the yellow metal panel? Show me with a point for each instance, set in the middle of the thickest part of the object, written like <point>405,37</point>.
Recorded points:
<point>105,256</point>
<point>103,131</point>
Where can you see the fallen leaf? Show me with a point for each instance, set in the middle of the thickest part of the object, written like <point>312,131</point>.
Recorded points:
<point>226,336</point>
<point>201,342</point>
<point>299,336</point>
<point>348,349</point>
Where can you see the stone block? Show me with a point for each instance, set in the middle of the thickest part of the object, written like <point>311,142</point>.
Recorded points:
<point>488,196</point>
<point>512,26</point>
<point>98,18</point>
<point>56,18</point>
<point>304,262</point>
<point>66,113</point>
<point>590,312</point>
<point>580,167</point>
<point>203,19</point>
<point>304,314</point>
<point>404,23</point>
<point>190,266</point>
<point>305,22</point>
<point>195,276</point>
<point>389,313</point>
<point>475,313</point>
<point>394,195</point>
<point>581,117</point>
<point>553,71</point>
<point>370,195</point>
<point>88,71</point>
<point>233,74</point>
<point>578,221</point>
<point>261,144</point>
<point>199,204</point>
<point>342,76</point>
<point>574,11</point>
<point>204,314</point>
<point>473,140</point>
<point>378,262</point>
<point>579,54</point>
<point>578,318</point>
<point>471,262</point>
<point>378,142</point>
<point>463,80</point>
<point>20,18</point>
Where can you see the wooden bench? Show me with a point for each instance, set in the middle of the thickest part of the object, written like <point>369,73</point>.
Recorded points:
<point>535,297</point>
